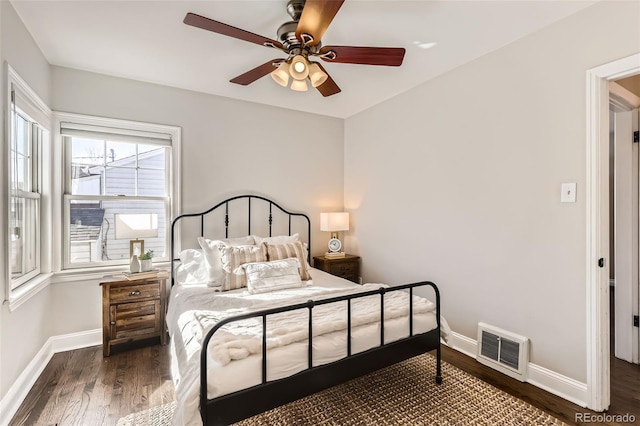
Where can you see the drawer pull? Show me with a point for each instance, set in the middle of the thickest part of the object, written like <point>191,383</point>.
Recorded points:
<point>112,323</point>
<point>135,293</point>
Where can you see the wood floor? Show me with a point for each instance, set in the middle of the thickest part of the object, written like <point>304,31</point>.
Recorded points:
<point>81,387</point>
<point>625,392</point>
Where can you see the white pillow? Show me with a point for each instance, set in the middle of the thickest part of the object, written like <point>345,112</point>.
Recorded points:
<point>280,239</point>
<point>192,268</point>
<point>271,276</point>
<point>211,249</point>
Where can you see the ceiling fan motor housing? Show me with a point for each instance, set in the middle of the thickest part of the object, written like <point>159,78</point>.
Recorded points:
<point>294,9</point>
<point>287,36</point>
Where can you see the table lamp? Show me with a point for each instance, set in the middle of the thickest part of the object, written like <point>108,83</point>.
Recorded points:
<point>334,223</point>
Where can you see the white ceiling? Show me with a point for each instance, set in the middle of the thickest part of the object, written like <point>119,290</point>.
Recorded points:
<point>147,41</point>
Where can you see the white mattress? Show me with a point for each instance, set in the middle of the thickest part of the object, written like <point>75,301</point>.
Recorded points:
<point>186,321</point>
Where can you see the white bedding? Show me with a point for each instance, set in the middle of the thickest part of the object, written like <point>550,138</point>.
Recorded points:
<point>234,356</point>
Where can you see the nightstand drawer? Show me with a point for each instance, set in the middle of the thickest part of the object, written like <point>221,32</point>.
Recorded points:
<point>343,268</point>
<point>133,292</point>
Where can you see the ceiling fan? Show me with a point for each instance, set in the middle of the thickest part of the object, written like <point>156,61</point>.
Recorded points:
<point>300,39</point>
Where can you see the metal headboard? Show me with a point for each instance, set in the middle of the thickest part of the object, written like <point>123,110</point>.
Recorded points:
<point>225,203</point>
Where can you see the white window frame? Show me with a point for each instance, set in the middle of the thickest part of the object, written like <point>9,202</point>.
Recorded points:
<point>35,194</point>
<point>26,100</point>
<point>136,131</point>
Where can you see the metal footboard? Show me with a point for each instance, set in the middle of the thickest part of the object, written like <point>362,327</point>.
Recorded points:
<point>269,394</point>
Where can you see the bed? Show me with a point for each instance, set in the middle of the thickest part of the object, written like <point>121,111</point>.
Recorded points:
<point>268,343</point>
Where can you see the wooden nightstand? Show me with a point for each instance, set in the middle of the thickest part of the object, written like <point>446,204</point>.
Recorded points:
<point>132,310</point>
<point>347,267</point>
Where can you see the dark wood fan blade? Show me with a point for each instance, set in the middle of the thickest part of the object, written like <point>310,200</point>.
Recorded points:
<point>390,56</point>
<point>256,73</point>
<point>316,17</point>
<point>329,87</point>
<point>224,29</point>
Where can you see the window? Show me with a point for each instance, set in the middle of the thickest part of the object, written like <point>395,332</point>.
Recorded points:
<point>24,205</point>
<point>28,137</point>
<point>115,169</point>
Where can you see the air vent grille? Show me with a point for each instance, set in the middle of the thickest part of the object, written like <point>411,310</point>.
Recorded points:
<point>502,350</point>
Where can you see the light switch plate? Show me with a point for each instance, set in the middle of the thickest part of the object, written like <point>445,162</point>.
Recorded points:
<point>568,193</point>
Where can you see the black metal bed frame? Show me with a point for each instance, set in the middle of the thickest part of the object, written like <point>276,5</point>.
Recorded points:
<point>247,402</point>
<point>226,203</point>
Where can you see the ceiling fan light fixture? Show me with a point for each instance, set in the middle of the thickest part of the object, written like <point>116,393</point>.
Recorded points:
<point>316,75</point>
<point>299,68</point>
<point>281,74</point>
<point>299,85</point>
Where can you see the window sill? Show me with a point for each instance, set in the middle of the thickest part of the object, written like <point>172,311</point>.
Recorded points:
<point>32,287</point>
<point>96,273</point>
<point>27,290</point>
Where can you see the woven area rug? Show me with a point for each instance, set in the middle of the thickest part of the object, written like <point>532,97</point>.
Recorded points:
<point>403,394</point>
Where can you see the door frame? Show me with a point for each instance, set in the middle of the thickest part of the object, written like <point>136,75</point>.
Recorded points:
<point>597,220</point>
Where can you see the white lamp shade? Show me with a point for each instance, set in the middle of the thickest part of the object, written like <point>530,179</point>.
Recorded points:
<point>299,68</point>
<point>281,74</point>
<point>316,75</point>
<point>136,225</point>
<point>299,85</point>
<point>334,222</point>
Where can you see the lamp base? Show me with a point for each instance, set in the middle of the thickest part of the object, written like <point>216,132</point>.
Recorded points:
<point>334,254</point>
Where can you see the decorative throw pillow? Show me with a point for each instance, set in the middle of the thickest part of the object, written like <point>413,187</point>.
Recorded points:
<point>213,263</point>
<point>232,260</point>
<point>288,250</point>
<point>271,276</point>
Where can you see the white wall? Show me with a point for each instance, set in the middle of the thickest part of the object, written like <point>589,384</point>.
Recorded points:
<point>458,181</point>
<point>229,147</point>
<point>24,331</point>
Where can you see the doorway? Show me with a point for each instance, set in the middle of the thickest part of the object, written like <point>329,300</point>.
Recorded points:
<point>624,154</point>
<point>597,215</point>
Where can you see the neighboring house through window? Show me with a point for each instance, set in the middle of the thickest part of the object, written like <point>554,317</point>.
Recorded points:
<point>114,167</point>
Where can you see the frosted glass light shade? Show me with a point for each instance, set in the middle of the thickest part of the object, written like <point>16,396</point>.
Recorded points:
<point>281,74</point>
<point>316,75</point>
<point>299,68</point>
<point>334,222</point>
<point>299,85</point>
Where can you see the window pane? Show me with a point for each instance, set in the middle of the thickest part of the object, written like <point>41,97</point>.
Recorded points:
<point>20,156</point>
<point>120,181</point>
<point>121,153</point>
<point>22,136</point>
<point>20,168</point>
<point>151,157</point>
<point>151,182</point>
<point>23,235</point>
<point>131,169</point>
<point>87,152</point>
<point>92,230</point>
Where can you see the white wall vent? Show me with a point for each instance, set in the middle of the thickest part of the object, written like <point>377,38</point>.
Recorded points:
<point>503,351</point>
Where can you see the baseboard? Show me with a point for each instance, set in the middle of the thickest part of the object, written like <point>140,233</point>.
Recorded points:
<point>21,387</point>
<point>543,378</point>
<point>557,384</point>
<point>463,344</point>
